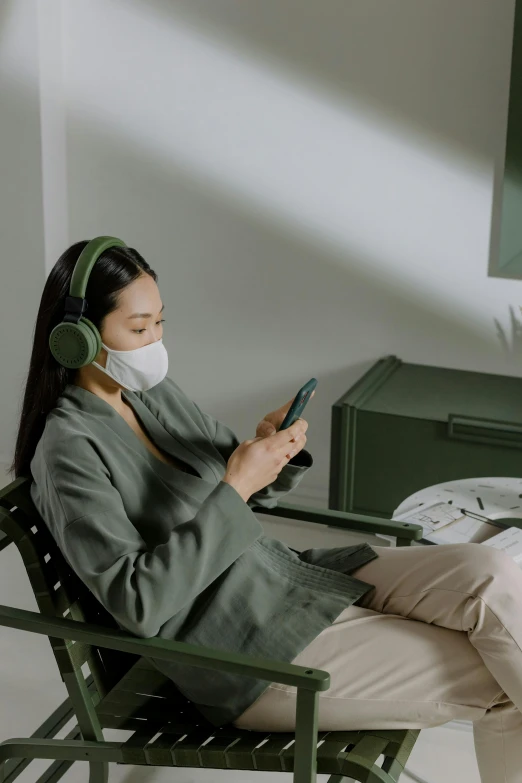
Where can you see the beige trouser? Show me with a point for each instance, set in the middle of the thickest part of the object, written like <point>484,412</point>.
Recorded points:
<point>440,638</point>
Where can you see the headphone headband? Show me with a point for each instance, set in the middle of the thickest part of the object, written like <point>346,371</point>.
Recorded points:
<point>75,303</point>
<point>88,257</point>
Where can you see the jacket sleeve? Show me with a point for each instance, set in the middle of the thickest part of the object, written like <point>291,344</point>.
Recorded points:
<point>142,588</point>
<point>226,441</point>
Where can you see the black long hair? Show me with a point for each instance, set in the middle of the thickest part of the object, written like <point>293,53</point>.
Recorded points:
<point>46,379</point>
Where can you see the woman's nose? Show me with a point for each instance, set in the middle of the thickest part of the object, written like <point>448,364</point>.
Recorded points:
<point>156,334</point>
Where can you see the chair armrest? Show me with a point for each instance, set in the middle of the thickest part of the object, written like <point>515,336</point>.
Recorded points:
<point>344,520</point>
<point>166,650</point>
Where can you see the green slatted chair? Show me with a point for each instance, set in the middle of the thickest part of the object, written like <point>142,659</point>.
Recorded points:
<point>112,685</point>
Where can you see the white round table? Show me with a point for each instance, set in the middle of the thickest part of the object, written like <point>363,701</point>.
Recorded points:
<point>482,495</point>
<point>495,498</point>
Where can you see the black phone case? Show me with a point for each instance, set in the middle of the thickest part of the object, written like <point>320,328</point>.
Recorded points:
<point>299,403</point>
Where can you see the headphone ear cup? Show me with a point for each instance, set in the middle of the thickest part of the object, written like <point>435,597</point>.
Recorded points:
<point>75,345</point>
<point>97,338</point>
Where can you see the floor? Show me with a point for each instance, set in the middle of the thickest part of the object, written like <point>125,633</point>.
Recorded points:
<point>30,688</point>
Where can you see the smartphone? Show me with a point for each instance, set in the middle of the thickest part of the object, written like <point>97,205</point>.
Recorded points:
<point>299,403</point>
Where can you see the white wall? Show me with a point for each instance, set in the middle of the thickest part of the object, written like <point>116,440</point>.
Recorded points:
<point>312,182</point>
<point>22,273</point>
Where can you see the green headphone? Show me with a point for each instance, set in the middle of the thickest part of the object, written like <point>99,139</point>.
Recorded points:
<point>76,341</point>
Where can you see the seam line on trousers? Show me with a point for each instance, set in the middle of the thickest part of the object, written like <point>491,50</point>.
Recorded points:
<point>492,703</point>
<point>460,592</point>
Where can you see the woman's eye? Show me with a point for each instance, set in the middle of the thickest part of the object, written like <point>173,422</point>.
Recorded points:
<point>139,331</point>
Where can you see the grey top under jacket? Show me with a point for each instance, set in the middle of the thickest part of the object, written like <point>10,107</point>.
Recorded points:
<point>178,554</point>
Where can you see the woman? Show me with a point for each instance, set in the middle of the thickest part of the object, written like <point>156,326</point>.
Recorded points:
<point>150,500</point>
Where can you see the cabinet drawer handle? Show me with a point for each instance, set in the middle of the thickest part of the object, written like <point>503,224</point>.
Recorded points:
<point>485,431</point>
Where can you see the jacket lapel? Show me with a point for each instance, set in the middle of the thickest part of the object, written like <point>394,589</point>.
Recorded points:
<point>165,436</point>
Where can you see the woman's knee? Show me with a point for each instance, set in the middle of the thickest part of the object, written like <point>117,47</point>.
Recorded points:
<point>487,561</point>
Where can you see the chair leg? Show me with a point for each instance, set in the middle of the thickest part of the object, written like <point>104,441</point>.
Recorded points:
<point>87,720</point>
<point>98,772</point>
<point>305,748</point>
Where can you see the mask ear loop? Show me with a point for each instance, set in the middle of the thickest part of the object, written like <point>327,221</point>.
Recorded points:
<point>106,372</point>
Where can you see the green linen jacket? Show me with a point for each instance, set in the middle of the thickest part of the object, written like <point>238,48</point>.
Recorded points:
<point>178,554</point>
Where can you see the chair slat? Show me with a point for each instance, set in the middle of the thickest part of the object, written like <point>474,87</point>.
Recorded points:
<point>43,579</point>
<point>359,761</point>
<point>140,678</point>
<point>71,655</point>
<point>127,700</point>
<point>36,545</point>
<point>61,601</point>
<point>49,606</point>
<point>142,681</point>
<point>268,756</point>
<point>351,737</point>
<point>99,676</point>
<point>133,749</point>
<point>159,752</point>
<point>214,753</point>
<point>400,749</point>
<point>17,494</point>
<point>125,724</point>
<point>150,709</point>
<point>232,732</point>
<point>183,726</point>
<point>77,609</point>
<point>369,747</point>
<point>185,751</point>
<point>241,755</point>
<point>287,756</point>
<point>328,754</point>
<point>122,699</point>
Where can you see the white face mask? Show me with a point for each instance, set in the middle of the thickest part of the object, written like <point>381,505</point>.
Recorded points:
<point>137,370</point>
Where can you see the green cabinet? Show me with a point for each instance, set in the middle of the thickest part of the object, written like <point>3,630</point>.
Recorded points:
<point>403,427</point>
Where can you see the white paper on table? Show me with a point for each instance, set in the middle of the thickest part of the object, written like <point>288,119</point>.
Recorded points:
<point>509,541</point>
<point>433,517</point>
<point>462,531</point>
<point>438,515</point>
<point>444,523</point>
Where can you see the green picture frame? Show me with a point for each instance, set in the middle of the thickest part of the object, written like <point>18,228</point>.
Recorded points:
<point>506,224</point>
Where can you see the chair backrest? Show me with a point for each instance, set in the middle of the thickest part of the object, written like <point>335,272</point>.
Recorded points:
<point>59,592</point>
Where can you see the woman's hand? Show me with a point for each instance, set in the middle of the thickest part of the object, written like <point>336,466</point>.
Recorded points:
<point>256,463</point>
<point>272,421</point>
